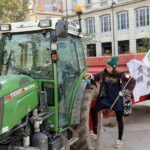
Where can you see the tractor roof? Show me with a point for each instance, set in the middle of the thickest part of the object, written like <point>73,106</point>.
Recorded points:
<point>73,28</point>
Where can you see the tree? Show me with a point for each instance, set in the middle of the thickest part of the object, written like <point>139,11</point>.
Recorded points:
<point>13,10</point>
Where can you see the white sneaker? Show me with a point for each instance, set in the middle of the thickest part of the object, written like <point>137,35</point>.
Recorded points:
<point>93,135</point>
<point>118,143</point>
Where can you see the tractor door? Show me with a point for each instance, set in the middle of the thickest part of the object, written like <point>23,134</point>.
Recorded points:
<point>68,74</point>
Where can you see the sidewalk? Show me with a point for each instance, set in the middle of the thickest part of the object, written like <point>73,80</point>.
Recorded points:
<point>136,130</point>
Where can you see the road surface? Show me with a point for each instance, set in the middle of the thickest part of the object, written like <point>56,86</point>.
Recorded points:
<point>136,130</point>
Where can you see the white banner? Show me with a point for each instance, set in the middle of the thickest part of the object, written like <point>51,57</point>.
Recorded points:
<point>140,71</point>
<point>146,59</point>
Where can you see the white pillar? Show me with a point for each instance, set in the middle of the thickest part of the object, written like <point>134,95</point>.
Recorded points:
<point>132,30</point>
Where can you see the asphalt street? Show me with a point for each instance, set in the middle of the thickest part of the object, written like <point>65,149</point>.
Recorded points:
<point>136,130</point>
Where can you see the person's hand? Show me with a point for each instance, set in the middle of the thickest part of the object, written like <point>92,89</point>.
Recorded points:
<point>121,93</point>
<point>127,76</point>
<point>87,76</point>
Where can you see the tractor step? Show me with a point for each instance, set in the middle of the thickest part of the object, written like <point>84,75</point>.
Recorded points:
<point>73,140</point>
<point>26,148</point>
<point>68,142</point>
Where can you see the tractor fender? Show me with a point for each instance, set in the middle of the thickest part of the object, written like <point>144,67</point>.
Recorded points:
<point>78,102</point>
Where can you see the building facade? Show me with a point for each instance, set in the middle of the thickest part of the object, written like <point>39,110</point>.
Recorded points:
<point>42,9</point>
<point>113,26</point>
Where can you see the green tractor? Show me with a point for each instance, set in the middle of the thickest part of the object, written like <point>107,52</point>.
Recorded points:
<point>44,102</point>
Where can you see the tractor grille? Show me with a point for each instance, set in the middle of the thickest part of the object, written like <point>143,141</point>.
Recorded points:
<point>1,111</point>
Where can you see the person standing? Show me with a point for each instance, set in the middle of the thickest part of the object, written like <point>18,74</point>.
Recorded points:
<point>111,84</point>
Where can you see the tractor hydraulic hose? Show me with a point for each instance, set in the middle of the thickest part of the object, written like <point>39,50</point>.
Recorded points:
<point>6,140</point>
<point>21,126</point>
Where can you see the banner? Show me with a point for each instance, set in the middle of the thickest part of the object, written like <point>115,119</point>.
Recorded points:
<point>140,71</point>
<point>146,59</point>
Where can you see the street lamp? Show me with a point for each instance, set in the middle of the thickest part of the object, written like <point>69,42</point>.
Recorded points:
<point>79,11</point>
<point>113,27</point>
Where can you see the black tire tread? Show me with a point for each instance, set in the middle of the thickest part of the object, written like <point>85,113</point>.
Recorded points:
<point>84,142</point>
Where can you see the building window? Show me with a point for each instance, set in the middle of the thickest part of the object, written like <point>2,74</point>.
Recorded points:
<point>88,4</point>
<point>105,23</point>
<point>91,50</point>
<point>107,49</point>
<point>123,47</point>
<point>104,2</point>
<point>74,4</point>
<point>143,45</point>
<point>90,25</point>
<point>123,21</point>
<point>47,6</point>
<point>142,17</point>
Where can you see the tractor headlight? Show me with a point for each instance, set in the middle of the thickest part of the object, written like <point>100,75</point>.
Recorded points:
<point>45,23</point>
<point>5,27</point>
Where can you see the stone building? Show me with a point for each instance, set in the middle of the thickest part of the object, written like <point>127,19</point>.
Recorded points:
<point>115,26</point>
<point>42,9</point>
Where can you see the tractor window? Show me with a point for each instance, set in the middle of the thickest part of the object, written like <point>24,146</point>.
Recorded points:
<point>27,53</point>
<point>68,69</point>
<point>81,56</point>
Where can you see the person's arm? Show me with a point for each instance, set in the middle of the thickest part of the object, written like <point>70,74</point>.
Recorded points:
<point>97,76</point>
<point>94,77</point>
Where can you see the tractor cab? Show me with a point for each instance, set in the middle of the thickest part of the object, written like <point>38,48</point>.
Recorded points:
<point>27,49</point>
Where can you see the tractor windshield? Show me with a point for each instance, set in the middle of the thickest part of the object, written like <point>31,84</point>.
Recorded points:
<point>27,53</point>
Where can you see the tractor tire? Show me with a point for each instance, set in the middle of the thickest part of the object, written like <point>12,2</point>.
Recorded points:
<point>85,142</point>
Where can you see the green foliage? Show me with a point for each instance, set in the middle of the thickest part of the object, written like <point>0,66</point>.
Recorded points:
<point>13,10</point>
<point>142,49</point>
<point>145,42</point>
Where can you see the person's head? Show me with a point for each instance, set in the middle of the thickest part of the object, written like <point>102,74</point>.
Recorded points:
<point>112,64</point>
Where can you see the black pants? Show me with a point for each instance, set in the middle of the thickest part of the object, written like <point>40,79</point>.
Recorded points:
<point>119,117</point>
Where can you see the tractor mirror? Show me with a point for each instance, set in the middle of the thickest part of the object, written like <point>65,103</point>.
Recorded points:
<point>62,28</point>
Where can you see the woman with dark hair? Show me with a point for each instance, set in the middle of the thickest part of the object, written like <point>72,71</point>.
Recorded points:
<point>111,84</point>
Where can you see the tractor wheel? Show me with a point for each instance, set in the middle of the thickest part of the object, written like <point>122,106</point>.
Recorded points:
<point>85,142</point>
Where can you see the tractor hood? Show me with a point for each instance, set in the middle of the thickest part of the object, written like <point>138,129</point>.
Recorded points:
<point>9,84</point>
<point>18,96</point>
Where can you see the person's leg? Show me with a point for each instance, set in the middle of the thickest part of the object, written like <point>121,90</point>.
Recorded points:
<point>95,111</point>
<point>119,117</point>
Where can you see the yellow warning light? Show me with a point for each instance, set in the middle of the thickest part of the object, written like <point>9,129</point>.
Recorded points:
<point>40,9</point>
<point>78,9</point>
